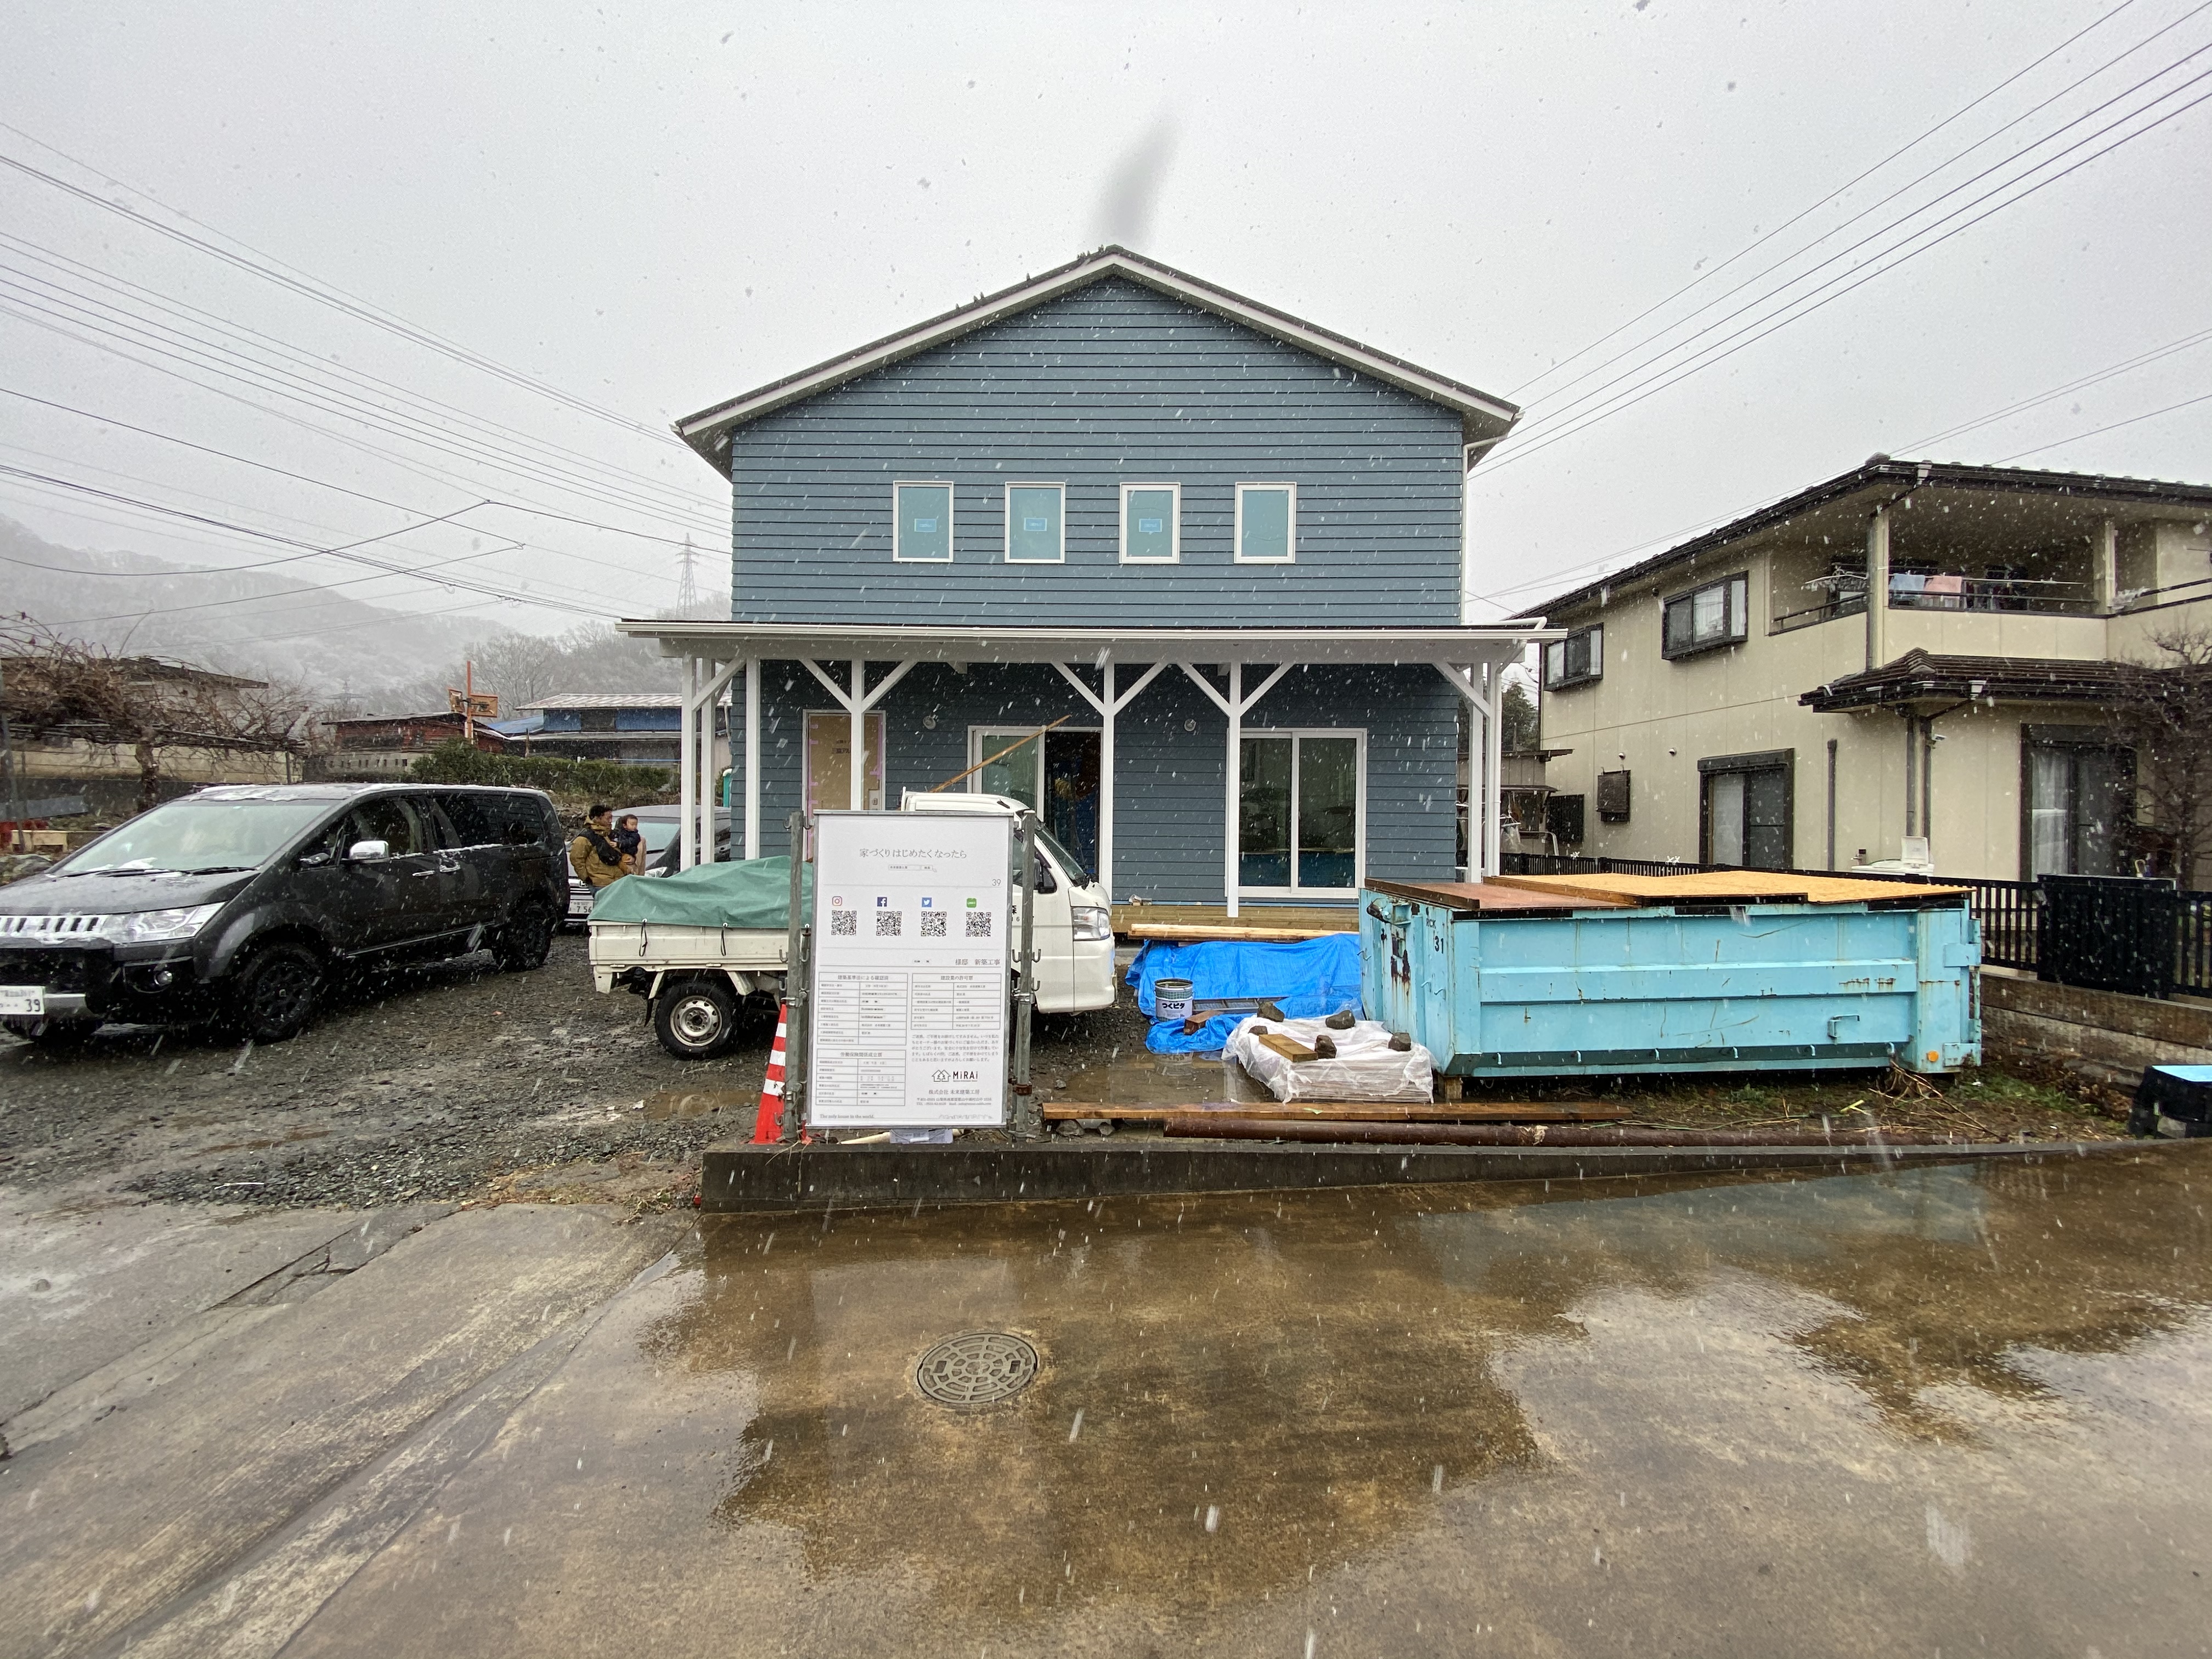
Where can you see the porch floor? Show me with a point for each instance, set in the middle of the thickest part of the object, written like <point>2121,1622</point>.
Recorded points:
<point>1178,924</point>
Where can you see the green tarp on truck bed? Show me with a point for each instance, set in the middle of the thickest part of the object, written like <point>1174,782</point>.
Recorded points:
<point>735,893</point>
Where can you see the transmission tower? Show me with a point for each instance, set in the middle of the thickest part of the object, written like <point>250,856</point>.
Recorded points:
<point>686,581</point>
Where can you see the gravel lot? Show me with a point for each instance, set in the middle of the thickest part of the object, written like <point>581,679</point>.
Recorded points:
<point>452,1082</point>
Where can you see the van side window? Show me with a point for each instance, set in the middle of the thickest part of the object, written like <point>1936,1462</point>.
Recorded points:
<point>476,819</point>
<point>392,820</point>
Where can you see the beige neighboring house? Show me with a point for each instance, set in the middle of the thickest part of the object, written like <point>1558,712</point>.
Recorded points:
<point>1913,651</point>
<point>64,761</point>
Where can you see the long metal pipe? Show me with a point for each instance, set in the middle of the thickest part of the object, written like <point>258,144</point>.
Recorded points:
<point>1213,1126</point>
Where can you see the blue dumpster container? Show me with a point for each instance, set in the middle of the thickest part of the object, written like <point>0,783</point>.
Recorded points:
<point>1502,982</point>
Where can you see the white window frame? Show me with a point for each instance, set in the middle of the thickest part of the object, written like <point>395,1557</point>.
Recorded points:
<point>1359,811</point>
<point>1006,507</point>
<point>1175,524</point>
<point>1236,547</point>
<point>944,484</point>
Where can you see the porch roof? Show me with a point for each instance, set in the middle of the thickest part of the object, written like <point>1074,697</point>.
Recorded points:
<point>970,642</point>
<point>1920,675</point>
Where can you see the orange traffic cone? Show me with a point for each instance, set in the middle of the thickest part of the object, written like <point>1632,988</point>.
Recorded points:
<point>768,1124</point>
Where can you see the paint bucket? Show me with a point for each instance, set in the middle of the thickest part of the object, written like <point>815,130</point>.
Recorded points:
<point>1172,998</point>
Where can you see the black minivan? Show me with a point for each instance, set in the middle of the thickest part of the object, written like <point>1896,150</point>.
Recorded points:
<point>242,902</point>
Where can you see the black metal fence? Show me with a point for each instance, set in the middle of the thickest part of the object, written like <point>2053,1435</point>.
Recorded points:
<point>2014,915</point>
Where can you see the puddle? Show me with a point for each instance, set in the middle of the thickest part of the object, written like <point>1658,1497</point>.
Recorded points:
<point>698,1103</point>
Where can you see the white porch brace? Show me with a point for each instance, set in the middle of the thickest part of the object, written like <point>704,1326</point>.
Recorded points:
<point>1107,705</point>
<point>705,679</point>
<point>857,703</point>
<point>752,756</point>
<point>1236,705</point>
<point>1480,684</point>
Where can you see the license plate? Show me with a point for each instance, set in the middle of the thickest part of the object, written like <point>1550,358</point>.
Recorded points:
<point>22,1000</point>
<point>579,906</point>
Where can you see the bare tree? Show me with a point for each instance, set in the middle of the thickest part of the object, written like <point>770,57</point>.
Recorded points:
<point>520,667</point>
<point>61,688</point>
<point>2165,719</point>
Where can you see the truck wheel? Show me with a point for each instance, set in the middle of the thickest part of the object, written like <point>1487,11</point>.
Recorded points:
<point>523,943</point>
<point>695,1020</point>
<point>274,995</point>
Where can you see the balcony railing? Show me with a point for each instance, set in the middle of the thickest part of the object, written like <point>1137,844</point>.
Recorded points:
<point>1912,590</point>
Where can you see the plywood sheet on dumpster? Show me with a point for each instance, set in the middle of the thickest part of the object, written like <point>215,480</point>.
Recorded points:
<point>1731,887</point>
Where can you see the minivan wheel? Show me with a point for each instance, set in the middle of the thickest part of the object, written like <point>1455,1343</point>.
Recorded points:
<point>695,1020</point>
<point>274,995</point>
<point>523,943</point>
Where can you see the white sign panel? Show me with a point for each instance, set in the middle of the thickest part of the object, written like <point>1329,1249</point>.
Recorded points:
<point>910,958</point>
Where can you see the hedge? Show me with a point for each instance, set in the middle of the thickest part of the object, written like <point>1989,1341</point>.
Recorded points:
<point>455,762</point>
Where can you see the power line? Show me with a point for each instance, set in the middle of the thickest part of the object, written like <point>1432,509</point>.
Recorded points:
<point>272,536</point>
<point>1805,304</point>
<point>143,336</point>
<point>220,569</point>
<point>2113,427</point>
<point>2086,382</point>
<point>304,478</point>
<point>1605,393</point>
<point>270,269</point>
<point>197,316</point>
<point>1822,202</point>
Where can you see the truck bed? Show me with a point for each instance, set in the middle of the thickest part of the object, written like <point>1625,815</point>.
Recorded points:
<point>658,948</point>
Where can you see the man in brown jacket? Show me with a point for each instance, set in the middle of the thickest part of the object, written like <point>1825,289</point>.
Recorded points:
<point>597,859</point>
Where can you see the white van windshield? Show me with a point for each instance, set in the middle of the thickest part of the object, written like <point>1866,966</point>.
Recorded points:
<point>197,835</point>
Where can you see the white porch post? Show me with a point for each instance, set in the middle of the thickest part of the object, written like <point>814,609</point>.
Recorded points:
<point>1236,705</point>
<point>1108,705</point>
<point>1480,686</point>
<point>752,756</point>
<point>687,771</point>
<point>1493,772</point>
<point>1236,771</point>
<point>859,791</point>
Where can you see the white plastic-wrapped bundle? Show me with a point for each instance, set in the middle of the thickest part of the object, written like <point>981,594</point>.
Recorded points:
<point>1366,1066</point>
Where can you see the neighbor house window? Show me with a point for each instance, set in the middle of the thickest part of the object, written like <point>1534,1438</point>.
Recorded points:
<point>2080,795</point>
<point>1036,523</point>
<point>1719,613</point>
<point>1575,659</point>
<point>1300,812</point>
<point>1267,523</point>
<point>1745,801</point>
<point>1152,524</point>
<point>922,523</point>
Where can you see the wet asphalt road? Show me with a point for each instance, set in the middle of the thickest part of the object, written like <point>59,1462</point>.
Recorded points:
<point>1959,1409</point>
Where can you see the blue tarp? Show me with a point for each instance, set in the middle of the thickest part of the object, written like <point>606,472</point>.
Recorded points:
<point>1307,979</point>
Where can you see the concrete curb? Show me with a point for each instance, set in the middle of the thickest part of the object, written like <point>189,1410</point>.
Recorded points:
<point>738,1179</point>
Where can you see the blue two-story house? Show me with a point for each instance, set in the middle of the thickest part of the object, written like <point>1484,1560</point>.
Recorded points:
<point>1183,571</point>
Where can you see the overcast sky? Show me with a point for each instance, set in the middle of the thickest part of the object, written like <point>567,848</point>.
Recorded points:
<point>652,207</point>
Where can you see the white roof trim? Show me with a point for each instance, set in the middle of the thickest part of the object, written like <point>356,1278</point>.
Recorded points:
<point>698,430</point>
<point>903,642</point>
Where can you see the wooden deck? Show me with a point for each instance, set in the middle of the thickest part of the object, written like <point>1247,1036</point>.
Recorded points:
<point>1183,924</point>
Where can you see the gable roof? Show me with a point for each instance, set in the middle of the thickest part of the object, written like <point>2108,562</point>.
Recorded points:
<point>1896,478</point>
<point>1485,419</point>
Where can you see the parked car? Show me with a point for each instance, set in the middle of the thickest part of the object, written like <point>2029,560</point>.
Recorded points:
<point>242,903</point>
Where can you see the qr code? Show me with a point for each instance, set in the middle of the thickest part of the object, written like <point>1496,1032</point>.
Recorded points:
<point>887,923</point>
<point>979,924</point>
<point>933,924</point>
<point>845,924</point>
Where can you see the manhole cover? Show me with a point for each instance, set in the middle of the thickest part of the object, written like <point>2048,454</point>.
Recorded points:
<point>976,1368</point>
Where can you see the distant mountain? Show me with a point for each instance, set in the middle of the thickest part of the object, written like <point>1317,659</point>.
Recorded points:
<point>255,622</point>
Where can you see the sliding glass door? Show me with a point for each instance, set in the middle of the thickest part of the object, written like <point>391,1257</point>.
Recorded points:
<point>1300,815</point>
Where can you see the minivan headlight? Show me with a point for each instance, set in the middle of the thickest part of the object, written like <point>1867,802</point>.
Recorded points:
<point>1093,923</point>
<point>152,927</point>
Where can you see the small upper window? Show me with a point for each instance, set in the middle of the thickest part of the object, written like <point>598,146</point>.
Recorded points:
<point>1719,613</point>
<point>1267,523</point>
<point>1578,658</point>
<point>1151,528</point>
<point>922,522</point>
<point>1034,524</point>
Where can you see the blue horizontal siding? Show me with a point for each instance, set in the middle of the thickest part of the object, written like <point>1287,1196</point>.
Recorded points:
<point>1113,383</point>
<point>1168,782</point>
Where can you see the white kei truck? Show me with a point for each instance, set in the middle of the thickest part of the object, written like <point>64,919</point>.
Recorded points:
<point>695,974</point>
